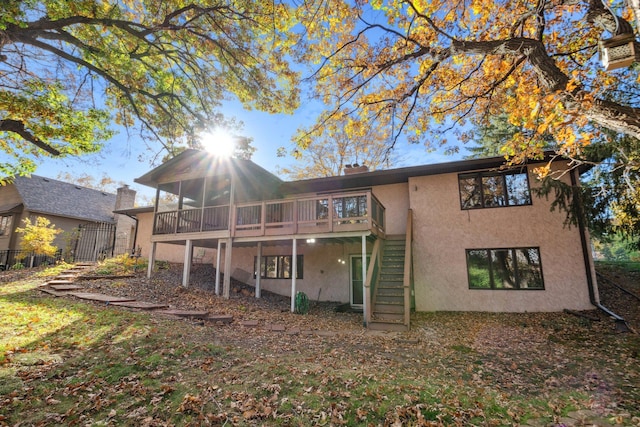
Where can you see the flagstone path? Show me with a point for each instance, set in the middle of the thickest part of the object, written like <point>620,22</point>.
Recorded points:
<point>63,285</point>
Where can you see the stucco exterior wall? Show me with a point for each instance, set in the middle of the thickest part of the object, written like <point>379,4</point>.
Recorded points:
<point>395,199</point>
<point>164,251</point>
<point>442,234</point>
<point>443,231</point>
<point>324,278</point>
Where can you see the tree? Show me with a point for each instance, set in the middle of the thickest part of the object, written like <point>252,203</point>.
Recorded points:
<point>38,237</point>
<point>607,197</point>
<point>613,186</point>
<point>439,65</point>
<point>326,150</point>
<point>105,183</point>
<point>68,69</point>
<point>491,137</point>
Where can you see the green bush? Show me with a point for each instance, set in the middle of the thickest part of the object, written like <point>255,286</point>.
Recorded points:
<point>122,264</point>
<point>17,266</point>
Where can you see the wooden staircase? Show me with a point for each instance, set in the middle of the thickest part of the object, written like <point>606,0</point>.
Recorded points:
<point>388,308</point>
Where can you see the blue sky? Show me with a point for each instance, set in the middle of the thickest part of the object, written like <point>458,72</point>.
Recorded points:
<point>120,157</point>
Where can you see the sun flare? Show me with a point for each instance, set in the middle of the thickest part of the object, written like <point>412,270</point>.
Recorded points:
<point>218,142</point>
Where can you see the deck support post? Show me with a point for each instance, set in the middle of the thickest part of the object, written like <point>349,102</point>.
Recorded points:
<point>217,289</point>
<point>226,288</point>
<point>294,273</point>
<point>365,296</point>
<point>259,271</point>
<point>186,271</point>
<point>152,259</point>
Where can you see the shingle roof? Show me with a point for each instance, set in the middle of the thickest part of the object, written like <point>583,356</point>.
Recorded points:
<point>50,196</point>
<point>387,176</point>
<point>255,182</point>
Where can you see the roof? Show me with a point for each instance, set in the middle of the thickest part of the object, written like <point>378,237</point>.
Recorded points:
<point>387,176</point>
<point>194,163</point>
<point>135,211</point>
<point>53,197</point>
<point>201,163</point>
<point>11,207</point>
<point>255,181</point>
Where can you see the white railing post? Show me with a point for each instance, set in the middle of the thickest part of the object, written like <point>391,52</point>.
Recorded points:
<point>217,289</point>
<point>186,271</point>
<point>294,273</point>
<point>152,259</point>
<point>259,271</point>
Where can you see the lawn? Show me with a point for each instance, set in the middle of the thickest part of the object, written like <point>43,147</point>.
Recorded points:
<point>67,362</point>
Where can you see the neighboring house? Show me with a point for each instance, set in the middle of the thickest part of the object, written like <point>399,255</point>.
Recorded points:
<point>85,213</point>
<point>460,236</point>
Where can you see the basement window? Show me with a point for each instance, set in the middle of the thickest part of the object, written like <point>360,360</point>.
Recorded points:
<point>278,267</point>
<point>511,268</point>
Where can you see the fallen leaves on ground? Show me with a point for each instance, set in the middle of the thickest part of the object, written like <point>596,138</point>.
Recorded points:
<point>324,369</point>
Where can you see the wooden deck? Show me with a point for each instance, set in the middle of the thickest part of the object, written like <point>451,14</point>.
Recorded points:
<point>334,213</point>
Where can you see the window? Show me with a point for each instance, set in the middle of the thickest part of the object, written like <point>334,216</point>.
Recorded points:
<point>5,225</point>
<point>493,189</point>
<point>278,267</point>
<point>517,268</point>
<point>350,207</point>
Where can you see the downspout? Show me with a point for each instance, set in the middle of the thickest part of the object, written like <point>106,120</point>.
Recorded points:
<point>621,324</point>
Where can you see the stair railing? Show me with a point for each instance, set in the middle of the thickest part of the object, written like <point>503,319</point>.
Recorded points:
<point>370,281</point>
<point>408,271</point>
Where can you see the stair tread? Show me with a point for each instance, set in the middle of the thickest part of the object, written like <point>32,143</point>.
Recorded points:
<point>388,312</point>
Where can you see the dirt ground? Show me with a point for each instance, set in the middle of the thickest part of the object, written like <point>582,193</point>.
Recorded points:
<point>544,365</point>
<point>620,293</point>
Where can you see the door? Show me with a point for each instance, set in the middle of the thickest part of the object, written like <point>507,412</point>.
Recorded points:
<point>357,281</point>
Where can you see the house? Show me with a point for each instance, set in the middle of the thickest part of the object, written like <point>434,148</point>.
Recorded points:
<point>90,228</point>
<point>460,236</point>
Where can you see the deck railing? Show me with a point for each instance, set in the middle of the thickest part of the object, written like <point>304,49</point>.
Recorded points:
<point>211,218</point>
<point>355,211</point>
<point>320,214</point>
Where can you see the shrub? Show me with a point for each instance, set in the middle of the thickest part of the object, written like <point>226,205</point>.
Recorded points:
<point>38,237</point>
<point>17,266</point>
<point>121,264</point>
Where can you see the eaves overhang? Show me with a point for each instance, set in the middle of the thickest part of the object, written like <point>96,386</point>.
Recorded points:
<point>393,176</point>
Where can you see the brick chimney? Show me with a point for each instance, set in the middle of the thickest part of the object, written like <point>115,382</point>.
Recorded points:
<point>355,168</point>
<point>125,198</point>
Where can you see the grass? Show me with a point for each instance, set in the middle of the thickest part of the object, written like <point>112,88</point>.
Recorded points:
<point>64,362</point>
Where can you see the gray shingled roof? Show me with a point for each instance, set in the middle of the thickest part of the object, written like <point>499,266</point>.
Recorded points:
<point>50,196</point>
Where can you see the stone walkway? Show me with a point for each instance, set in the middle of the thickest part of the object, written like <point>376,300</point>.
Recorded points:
<point>63,285</point>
